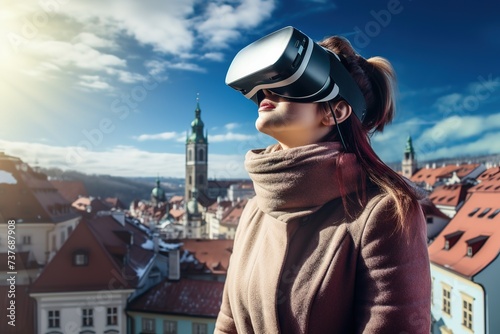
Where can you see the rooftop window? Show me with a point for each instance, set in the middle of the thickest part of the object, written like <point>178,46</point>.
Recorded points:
<point>451,239</point>
<point>473,212</point>
<point>484,213</point>
<point>494,214</point>
<point>475,244</point>
<point>81,258</point>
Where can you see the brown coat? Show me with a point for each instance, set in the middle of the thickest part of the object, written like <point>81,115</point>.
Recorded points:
<point>311,270</point>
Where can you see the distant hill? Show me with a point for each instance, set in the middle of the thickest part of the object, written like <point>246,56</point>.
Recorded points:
<point>126,189</point>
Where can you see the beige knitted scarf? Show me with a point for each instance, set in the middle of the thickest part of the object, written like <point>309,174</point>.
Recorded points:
<point>295,182</point>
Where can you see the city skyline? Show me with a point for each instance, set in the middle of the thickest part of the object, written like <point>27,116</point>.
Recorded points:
<point>111,88</point>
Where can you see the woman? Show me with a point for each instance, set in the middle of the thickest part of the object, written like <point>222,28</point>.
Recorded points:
<point>334,241</point>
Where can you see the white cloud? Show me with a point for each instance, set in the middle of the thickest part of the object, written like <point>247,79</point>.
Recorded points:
<point>79,55</point>
<point>214,56</point>
<point>162,24</point>
<point>461,127</point>
<point>94,82</point>
<point>87,37</point>
<point>487,144</point>
<point>119,161</point>
<point>470,100</point>
<point>161,136</point>
<point>431,139</point>
<point>221,23</point>
<point>232,126</point>
<point>230,136</point>
<point>192,67</point>
<point>94,41</point>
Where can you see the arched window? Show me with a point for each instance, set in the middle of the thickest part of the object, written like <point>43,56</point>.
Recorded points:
<point>190,180</point>
<point>201,155</point>
<point>201,179</point>
<point>190,155</point>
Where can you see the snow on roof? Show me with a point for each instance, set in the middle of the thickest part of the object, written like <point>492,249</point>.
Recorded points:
<point>6,177</point>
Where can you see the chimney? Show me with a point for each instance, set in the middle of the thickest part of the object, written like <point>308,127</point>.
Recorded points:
<point>156,242</point>
<point>174,267</point>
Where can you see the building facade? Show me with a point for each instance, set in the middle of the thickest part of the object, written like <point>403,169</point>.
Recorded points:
<point>42,218</point>
<point>465,268</point>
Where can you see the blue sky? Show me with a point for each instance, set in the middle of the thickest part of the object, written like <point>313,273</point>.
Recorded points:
<point>110,87</point>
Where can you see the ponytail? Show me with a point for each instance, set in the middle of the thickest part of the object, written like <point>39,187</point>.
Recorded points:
<point>376,79</point>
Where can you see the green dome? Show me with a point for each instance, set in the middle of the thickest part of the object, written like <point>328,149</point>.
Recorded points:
<point>158,193</point>
<point>197,122</point>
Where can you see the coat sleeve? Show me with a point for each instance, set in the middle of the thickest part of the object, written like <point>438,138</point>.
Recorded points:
<point>225,322</point>
<point>393,285</point>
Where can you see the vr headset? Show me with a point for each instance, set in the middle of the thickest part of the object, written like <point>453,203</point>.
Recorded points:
<point>290,64</point>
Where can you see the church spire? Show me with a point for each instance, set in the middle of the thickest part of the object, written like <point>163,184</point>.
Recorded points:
<point>409,163</point>
<point>409,146</point>
<point>197,126</point>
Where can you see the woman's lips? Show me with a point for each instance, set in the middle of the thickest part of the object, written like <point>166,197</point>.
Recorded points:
<point>266,105</point>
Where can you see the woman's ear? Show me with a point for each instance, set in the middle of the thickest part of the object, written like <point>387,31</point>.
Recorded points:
<point>342,111</point>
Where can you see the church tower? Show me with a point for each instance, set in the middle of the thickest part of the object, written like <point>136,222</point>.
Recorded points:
<point>409,163</point>
<point>196,157</point>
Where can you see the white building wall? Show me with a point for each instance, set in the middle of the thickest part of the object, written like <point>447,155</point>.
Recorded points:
<point>437,225</point>
<point>450,211</point>
<point>213,225</point>
<point>459,286</point>
<point>70,307</point>
<point>40,235</point>
<point>36,231</point>
<point>489,279</point>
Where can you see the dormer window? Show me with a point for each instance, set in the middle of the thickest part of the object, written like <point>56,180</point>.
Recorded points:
<point>451,239</point>
<point>484,213</point>
<point>475,244</point>
<point>494,214</point>
<point>473,212</point>
<point>81,258</point>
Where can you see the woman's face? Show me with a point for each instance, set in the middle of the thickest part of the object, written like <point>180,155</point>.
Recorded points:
<point>292,124</point>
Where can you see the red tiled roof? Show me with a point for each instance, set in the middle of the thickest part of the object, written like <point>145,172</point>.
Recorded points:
<point>464,170</point>
<point>232,216</point>
<point>474,220</point>
<point>433,175</point>
<point>25,310</point>
<point>430,209</point>
<point>176,199</point>
<point>105,241</point>
<point>29,195</point>
<point>201,298</point>
<point>490,173</point>
<point>490,181</point>
<point>214,254</point>
<point>176,213</point>
<point>449,195</point>
<point>70,190</point>
<point>222,204</point>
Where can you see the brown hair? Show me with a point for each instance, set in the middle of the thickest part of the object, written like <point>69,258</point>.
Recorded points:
<point>377,81</point>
